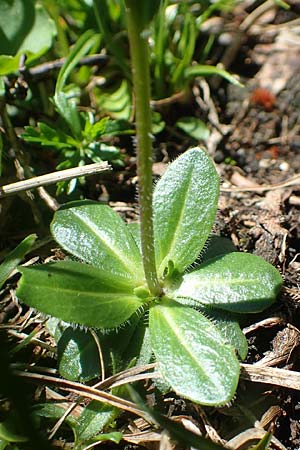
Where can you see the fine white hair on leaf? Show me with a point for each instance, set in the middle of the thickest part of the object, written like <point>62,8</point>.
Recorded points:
<point>146,318</point>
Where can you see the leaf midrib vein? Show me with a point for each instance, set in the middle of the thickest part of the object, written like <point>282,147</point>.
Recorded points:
<point>125,262</point>
<point>173,241</point>
<point>173,327</point>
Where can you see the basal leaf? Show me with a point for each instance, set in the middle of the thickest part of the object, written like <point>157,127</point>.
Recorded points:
<point>97,235</point>
<point>192,354</point>
<point>237,282</point>
<point>78,355</point>
<point>139,348</point>
<point>115,343</point>
<point>185,205</point>
<point>77,293</point>
<point>230,329</point>
<point>94,418</point>
<point>217,246</point>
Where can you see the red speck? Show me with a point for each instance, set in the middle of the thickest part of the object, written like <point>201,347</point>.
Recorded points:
<point>274,151</point>
<point>264,98</point>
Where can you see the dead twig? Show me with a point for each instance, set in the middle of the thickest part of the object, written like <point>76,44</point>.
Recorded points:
<point>271,375</point>
<point>89,392</point>
<point>293,181</point>
<point>52,178</point>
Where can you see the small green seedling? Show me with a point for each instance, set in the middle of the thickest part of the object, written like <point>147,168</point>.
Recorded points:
<point>150,271</point>
<point>76,137</point>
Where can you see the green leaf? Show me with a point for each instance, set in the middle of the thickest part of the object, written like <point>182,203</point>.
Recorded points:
<point>139,348</point>
<point>97,235</point>
<point>9,64</point>
<point>228,325</point>
<point>109,17</point>
<point>83,45</point>
<point>204,70</point>
<point>48,136</point>
<point>78,355</point>
<point>3,444</point>
<point>15,257</point>
<point>54,412</point>
<point>10,432</point>
<point>77,293</point>
<point>113,436</point>
<point>95,417</point>
<point>194,127</point>
<point>36,42</point>
<point>25,27</point>
<point>264,443</point>
<point>68,108</point>
<point>217,246</point>
<point>118,101</point>
<point>237,282</point>
<point>185,204</point>
<point>192,354</point>
<point>135,230</point>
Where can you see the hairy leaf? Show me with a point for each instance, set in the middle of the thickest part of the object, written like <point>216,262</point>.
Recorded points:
<point>97,235</point>
<point>192,354</point>
<point>77,293</point>
<point>185,205</point>
<point>228,325</point>
<point>94,418</point>
<point>217,246</point>
<point>237,282</point>
<point>78,355</point>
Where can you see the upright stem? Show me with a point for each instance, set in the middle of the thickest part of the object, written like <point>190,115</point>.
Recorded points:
<point>141,83</point>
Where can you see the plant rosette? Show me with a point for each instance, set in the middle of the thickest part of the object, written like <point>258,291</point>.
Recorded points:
<point>193,323</point>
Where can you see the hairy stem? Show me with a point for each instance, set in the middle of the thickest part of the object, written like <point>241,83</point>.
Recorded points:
<point>141,83</point>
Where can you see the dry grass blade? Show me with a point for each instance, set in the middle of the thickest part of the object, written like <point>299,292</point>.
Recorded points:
<point>250,435</point>
<point>293,181</point>
<point>270,375</point>
<point>91,392</point>
<point>52,178</point>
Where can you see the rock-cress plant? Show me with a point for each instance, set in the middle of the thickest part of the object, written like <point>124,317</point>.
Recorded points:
<point>191,303</point>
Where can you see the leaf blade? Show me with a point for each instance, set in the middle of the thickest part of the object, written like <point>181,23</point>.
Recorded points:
<point>236,282</point>
<point>197,364</point>
<point>15,257</point>
<point>185,204</point>
<point>77,293</point>
<point>97,235</point>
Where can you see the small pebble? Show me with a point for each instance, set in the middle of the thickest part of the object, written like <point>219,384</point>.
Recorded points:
<point>284,166</point>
